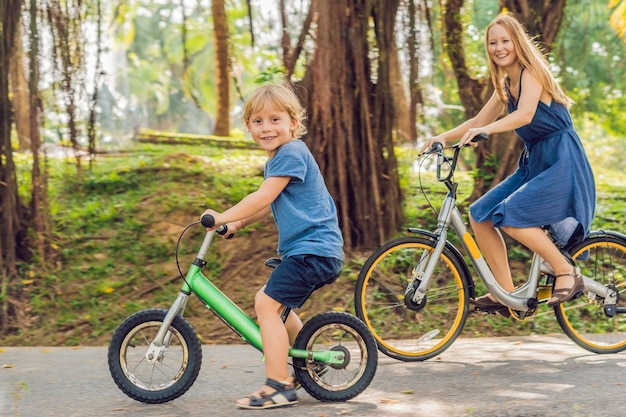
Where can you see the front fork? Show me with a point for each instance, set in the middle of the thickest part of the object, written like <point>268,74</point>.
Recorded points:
<point>161,341</point>
<point>416,290</point>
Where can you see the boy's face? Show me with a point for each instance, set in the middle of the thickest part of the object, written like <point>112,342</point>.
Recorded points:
<point>270,128</point>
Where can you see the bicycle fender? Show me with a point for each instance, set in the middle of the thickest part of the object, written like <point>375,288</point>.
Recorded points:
<point>602,232</point>
<point>455,252</point>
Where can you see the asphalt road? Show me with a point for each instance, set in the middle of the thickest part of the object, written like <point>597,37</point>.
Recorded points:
<point>487,377</point>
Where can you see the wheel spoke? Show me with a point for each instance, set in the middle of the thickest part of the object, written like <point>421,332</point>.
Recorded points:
<point>603,259</point>
<point>414,331</point>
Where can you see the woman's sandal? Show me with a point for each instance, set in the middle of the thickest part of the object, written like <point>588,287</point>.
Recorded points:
<point>284,396</point>
<point>562,295</point>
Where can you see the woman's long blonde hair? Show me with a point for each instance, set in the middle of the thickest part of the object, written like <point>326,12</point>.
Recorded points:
<point>282,97</point>
<point>529,54</point>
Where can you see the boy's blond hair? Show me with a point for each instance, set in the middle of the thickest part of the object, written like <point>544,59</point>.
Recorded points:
<point>530,55</point>
<point>283,98</point>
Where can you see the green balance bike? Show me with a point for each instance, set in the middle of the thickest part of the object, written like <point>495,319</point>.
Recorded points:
<point>155,355</point>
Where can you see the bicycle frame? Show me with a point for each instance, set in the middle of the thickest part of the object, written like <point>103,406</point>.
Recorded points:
<point>226,310</point>
<point>522,298</point>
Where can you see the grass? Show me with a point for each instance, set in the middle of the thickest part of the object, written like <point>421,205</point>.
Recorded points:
<point>116,227</point>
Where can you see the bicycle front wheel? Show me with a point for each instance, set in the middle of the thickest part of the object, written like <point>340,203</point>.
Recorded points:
<point>601,257</point>
<point>172,372</point>
<point>402,329</point>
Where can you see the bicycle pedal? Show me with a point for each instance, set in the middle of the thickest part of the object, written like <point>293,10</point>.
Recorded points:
<point>503,311</point>
<point>487,310</point>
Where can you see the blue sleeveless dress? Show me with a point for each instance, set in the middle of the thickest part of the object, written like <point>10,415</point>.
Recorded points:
<point>553,185</point>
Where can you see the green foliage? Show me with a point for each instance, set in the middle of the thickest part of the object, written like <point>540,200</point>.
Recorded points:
<point>592,66</point>
<point>487,170</point>
<point>159,91</point>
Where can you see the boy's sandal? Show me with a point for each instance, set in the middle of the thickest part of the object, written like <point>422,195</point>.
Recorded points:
<point>562,295</point>
<point>284,396</point>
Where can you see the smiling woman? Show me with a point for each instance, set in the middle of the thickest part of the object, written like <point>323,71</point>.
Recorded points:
<point>553,185</point>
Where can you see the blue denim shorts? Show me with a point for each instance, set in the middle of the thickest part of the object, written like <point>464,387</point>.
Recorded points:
<point>297,276</point>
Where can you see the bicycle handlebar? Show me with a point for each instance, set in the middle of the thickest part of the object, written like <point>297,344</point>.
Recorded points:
<point>438,148</point>
<point>209,221</point>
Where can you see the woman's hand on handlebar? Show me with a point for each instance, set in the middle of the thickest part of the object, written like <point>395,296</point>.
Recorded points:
<point>429,144</point>
<point>467,139</point>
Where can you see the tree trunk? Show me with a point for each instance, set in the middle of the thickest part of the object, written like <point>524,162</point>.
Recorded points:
<point>402,121</point>
<point>19,88</point>
<point>351,118</point>
<point>10,214</point>
<point>541,19</point>
<point>39,193</point>
<point>222,65</point>
<point>65,22</point>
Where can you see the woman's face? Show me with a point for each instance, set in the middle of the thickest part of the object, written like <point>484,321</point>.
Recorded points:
<point>500,46</point>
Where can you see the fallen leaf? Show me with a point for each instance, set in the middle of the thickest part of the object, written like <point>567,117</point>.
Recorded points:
<point>408,391</point>
<point>8,365</point>
<point>388,401</point>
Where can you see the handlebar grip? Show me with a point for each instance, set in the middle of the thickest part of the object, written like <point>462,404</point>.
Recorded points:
<point>207,220</point>
<point>481,137</point>
<point>222,230</point>
<point>435,148</point>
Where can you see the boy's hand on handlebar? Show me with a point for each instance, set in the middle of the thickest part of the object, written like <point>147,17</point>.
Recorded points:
<point>216,217</point>
<point>231,229</point>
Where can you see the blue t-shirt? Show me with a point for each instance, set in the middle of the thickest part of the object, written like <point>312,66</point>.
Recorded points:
<point>304,212</point>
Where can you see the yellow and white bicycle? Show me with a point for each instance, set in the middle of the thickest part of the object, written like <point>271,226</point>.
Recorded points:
<point>413,292</point>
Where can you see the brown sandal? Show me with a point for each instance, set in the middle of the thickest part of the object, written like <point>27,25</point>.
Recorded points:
<point>562,295</point>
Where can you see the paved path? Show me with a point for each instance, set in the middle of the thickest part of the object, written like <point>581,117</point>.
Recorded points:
<point>487,377</point>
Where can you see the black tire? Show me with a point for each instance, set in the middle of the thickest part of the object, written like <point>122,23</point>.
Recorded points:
<point>406,331</point>
<point>173,373</point>
<point>601,257</point>
<point>336,331</point>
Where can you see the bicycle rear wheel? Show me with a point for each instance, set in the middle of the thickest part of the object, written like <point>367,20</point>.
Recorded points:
<point>403,330</point>
<point>338,332</point>
<point>601,257</point>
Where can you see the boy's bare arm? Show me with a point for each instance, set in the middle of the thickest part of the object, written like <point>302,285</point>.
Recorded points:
<point>255,205</point>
